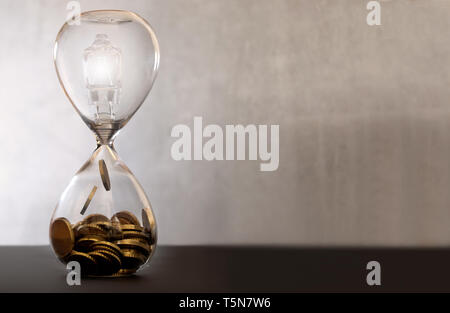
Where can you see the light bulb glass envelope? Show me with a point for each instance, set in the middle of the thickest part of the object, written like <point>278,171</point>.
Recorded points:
<point>106,65</point>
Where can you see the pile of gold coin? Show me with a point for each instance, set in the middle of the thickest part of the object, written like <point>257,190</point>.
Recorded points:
<point>104,246</point>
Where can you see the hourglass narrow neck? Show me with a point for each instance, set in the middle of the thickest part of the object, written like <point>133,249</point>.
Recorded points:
<point>105,130</point>
<point>102,142</point>
<point>105,133</point>
<point>104,151</point>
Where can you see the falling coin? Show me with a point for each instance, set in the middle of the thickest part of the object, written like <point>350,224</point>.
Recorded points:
<point>88,201</point>
<point>62,237</point>
<point>104,174</point>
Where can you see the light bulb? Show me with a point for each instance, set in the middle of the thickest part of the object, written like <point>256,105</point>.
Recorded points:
<point>102,71</point>
<point>107,65</point>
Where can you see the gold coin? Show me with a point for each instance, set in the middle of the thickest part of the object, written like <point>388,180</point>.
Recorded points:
<point>104,265</point>
<point>106,245</point>
<point>95,218</point>
<point>104,224</point>
<point>99,257</point>
<point>112,231</point>
<point>149,224</point>
<point>131,227</point>
<point>83,244</point>
<point>115,233</point>
<point>132,259</point>
<point>147,220</point>
<point>75,229</point>
<point>107,262</point>
<point>88,201</point>
<point>135,235</point>
<point>124,272</point>
<point>104,174</point>
<point>134,244</point>
<point>76,225</point>
<point>62,237</point>
<point>115,261</point>
<point>92,229</point>
<point>126,217</point>
<point>87,263</point>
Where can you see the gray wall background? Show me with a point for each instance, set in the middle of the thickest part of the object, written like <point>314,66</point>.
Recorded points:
<point>364,118</point>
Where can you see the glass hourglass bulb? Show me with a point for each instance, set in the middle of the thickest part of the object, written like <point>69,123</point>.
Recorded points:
<point>106,65</point>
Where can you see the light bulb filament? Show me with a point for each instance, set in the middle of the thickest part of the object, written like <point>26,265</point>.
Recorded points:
<point>102,71</point>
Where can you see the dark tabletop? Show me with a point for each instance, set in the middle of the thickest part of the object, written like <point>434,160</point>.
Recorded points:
<point>239,269</point>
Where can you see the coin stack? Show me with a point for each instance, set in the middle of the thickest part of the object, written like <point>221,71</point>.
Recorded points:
<point>103,246</point>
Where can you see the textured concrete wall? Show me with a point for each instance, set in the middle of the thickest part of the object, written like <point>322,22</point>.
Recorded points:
<point>363,112</point>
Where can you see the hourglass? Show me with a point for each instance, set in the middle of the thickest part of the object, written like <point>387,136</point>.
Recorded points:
<point>106,64</point>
